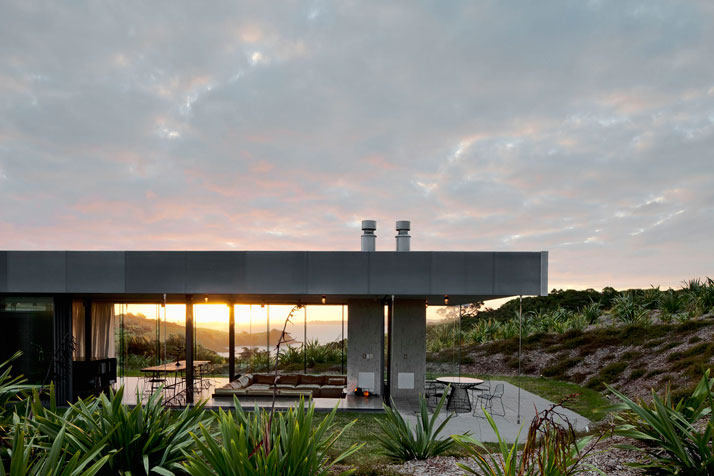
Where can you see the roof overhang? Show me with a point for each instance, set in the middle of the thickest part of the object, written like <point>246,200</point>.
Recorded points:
<point>276,276</point>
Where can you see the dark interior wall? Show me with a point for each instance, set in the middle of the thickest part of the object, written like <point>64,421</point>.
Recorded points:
<point>26,326</point>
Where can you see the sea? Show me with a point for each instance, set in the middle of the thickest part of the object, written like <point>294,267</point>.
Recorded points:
<point>323,332</point>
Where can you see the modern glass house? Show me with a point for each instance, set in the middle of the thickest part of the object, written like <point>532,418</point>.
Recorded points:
<point>58,307</point>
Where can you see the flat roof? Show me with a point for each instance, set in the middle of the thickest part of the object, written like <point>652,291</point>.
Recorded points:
<point>276,276</point>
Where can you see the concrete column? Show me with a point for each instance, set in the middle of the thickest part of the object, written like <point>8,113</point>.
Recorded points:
<point>189,349</point>
<point>408,339</point>
<point>365,345</point>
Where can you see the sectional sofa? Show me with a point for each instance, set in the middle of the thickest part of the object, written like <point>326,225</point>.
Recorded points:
<point>288,385</point>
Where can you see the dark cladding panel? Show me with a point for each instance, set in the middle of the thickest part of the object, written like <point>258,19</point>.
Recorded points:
<point>517,273</point>
<point>95,271</point>
<point>3,271</point>
<point>448,273</point>
<point>479,273</point>
<point>36,271</point>
<point>399,272</point>
<point>155,271</point>
<point>337,272</point>
<point>216,272</point>
<point>276,272</point>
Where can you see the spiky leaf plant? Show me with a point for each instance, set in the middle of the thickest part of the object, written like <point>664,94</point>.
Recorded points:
<point>29,457</point>
<point>674,441</point>
<point>507,461</point>
<point>401,442</point>
<point>146,439</point>
<point>293,446</point>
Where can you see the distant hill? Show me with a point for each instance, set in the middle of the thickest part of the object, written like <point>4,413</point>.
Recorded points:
<point>141,326</point>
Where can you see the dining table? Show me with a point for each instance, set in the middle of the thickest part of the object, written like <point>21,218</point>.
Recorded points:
<point>171,376</point>
<point>458,400</point>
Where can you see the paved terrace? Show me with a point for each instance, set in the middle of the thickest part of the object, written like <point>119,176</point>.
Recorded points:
<point>478,426</point>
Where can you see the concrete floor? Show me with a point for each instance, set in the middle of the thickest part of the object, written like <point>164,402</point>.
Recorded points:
<point>478,426</point>
<point>348,404</point>
<point>508,426</point>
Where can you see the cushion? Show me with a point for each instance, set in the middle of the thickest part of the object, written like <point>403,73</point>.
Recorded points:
<point>311,379</point>
<point>259,388</point>
<point>293,379</point>
<point>331,391</point>
<point>337,381</point>
<point>292,391</point>
<point>263,379</point>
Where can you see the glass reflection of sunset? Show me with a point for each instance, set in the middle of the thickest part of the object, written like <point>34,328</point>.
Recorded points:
<point>215,316</point>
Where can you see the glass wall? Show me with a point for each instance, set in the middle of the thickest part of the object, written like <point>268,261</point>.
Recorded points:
<point>210,324</point>
<point>27,326</point>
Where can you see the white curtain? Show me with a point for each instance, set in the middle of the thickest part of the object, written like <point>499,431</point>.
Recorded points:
<point>103,330</point>
<point>78,329</point>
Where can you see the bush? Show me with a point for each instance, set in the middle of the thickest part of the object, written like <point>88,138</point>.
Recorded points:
<point>551,449</point>
<point>287,444</point>
<point>147,438</point>
<point>671,441</point>
<point>627,309</point>
<point>29,457</point>
<point>400,443</point>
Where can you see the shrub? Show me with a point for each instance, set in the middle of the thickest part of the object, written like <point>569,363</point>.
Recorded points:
<point>29,457</point>
<point>671,441</point>
<point>287,444</point>
<point>400,442</point>
<point>147,438</point>
<point>591,312</point>
<point>551,449</point>
<point>628,310</point>
<point>12,392</point>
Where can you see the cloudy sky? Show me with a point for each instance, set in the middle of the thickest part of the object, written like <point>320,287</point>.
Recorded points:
<point>585,128</point>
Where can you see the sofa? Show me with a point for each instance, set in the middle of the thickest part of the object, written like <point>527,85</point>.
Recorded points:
<point>288,385</point>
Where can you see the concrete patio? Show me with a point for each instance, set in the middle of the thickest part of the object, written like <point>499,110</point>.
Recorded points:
<point>507,425</point>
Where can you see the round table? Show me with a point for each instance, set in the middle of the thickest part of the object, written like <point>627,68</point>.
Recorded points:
<point>459,400</point>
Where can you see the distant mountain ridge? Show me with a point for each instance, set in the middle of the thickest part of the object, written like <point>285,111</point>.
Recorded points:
<point>141,326</point>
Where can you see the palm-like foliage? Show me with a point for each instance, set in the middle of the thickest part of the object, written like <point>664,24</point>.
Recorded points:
<point>12,391</point>
<point>628,310</point>
<point>591,312</point>
<point>551,449</point>
<point>400,442</point>
<point>674,444</point>
<point>27,457</point>
<point>293,447</point>
<point>147,438</point>
<point>670,304</point>
<point>507,461</point>
<point>700,295</point>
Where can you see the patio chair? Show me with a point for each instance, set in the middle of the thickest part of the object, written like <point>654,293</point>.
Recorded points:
<point>485,400</point>
<point>433,391</point>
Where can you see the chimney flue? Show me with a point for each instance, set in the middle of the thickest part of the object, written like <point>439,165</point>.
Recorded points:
<point>368,236</point>
<point>403,238</point>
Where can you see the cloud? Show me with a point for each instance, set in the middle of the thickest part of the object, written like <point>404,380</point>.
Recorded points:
<point>584,128</point>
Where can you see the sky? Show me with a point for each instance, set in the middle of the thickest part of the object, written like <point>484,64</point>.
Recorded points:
<point>584,128</point>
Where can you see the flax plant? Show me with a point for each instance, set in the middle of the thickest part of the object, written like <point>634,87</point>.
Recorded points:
<point>400,442</point>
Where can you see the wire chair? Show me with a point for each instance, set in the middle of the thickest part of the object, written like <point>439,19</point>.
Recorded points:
<point>485,400</point>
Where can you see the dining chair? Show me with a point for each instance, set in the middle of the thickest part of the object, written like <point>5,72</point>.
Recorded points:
<point>433,391</point>
<point>485,400</point>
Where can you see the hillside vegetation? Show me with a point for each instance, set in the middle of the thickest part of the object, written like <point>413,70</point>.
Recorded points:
<point>634,340</point>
